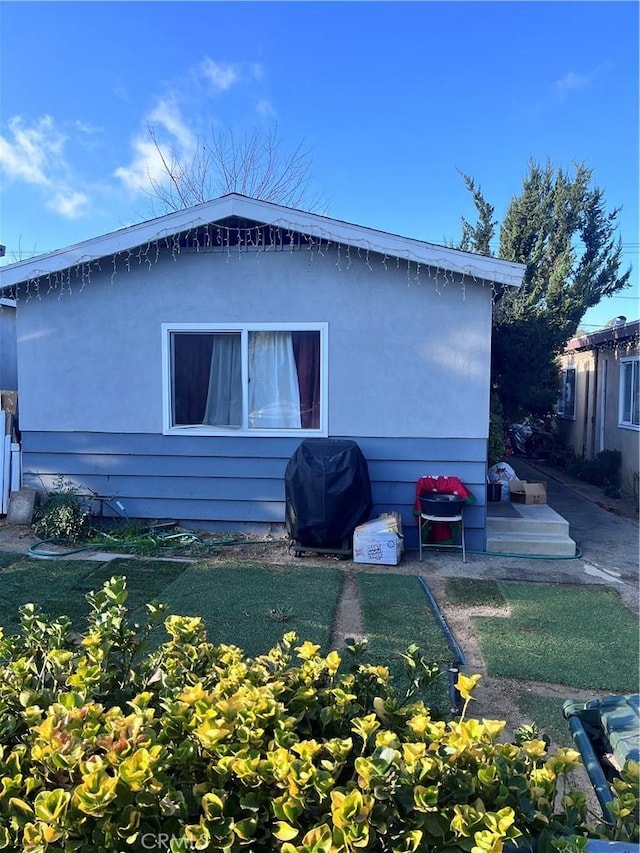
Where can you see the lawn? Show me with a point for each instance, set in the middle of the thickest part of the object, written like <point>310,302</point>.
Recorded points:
<point>253,606</point>
<point>396,613</point>
<point>579,636</point>
<point>249,605</point>
<point>59,586</point>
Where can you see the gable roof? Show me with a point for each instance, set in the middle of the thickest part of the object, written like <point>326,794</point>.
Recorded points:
<point>505,273</point>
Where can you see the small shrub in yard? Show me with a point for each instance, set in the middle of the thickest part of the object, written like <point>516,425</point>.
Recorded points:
<point>106,745</point>
<point>63,515</point>
<point>603,470</point>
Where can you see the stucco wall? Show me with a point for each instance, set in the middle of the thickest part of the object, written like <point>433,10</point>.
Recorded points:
<point>408,379</point>
<point>596,424</point>
<point>406,357</point>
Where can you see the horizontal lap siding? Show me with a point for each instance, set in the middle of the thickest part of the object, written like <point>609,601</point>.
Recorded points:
<point>222,482</point>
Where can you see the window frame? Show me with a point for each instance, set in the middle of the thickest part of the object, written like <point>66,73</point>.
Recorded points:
<point>168,329</point>
<point>560,407</point>
<point>634,361</point>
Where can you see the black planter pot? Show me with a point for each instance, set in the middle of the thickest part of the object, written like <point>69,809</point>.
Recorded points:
<point>494,492</point>
<point>444,506</point>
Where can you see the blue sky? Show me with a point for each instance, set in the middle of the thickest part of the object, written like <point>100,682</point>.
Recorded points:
<point>393,101</point>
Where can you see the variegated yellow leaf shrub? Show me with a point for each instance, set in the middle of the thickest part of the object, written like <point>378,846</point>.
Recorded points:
<point>109,745</point>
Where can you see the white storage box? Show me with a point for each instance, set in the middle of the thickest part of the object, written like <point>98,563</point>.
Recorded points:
<point>381,547</point>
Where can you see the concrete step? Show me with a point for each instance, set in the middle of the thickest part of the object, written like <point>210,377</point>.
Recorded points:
<point>529,520</point>
<point>534,544</point>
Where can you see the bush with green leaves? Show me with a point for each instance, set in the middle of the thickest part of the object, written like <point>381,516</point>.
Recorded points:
<point>109,742</point>
<point>603,470</point>
<point>63,515</point>
<point>496,449</point>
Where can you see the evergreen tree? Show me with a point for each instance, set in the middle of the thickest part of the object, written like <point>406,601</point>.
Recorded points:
<point>559,228</point>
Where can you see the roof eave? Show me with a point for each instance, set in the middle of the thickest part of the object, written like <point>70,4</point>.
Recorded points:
<point>478,267</point>
<point>594,340</point>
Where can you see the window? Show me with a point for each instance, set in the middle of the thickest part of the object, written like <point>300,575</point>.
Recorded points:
<point>254,379</point>
<point>629,393</point>
<point>567,399</point>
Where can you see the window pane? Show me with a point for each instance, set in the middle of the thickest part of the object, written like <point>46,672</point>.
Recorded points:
<point>224,397</point>
<point>207,379</point>
<point>284,380</point>
<point>306,349</point>
<point>627,391</point>
<point>635,394</point>
<point>567,399</point>
<point>274,393</point>
<point>253,379</point>
<point>570,393</point>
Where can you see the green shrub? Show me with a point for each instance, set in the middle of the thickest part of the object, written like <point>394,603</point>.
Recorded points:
<point>496,448</point>
<point>106,745</point>
<point>603,470</point>
<point>63,515</point>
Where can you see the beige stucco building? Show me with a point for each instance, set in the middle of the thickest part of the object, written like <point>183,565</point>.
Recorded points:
<point>599,408</point>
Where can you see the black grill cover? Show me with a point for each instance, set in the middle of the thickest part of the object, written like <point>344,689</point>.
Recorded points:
<point>328,492</point>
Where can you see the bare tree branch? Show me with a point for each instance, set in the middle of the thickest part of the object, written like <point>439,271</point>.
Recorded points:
<point>253,165</point>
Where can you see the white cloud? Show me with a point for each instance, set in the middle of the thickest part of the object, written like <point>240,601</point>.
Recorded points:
<point>172,134</point>
<point>221,75</point>
<point>70,203</point>
<point>265,108</point>
<point>169,134</point>
<point>87,128</point>
<point>33,153</point>
<point>167,114</point>
<point>146,166</point>
<point>570,82</point>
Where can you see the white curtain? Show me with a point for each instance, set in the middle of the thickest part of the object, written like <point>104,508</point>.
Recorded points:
<point>274,394</point>
<point>224,400</point>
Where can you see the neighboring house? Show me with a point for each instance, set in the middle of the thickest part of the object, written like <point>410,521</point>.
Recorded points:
<point>8,352</point>
<point>175,365</point>
<point>599,405</point>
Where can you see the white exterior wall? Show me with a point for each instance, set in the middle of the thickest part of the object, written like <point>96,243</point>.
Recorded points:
<point>404,360</point>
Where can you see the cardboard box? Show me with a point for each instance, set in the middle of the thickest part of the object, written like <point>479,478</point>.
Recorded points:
<point>377,547</point>
<point>394,519</point>
<point>386,522</point>
<point>528,491</point>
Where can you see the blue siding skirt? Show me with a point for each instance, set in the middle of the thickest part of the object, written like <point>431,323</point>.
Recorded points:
<point>237,484</point>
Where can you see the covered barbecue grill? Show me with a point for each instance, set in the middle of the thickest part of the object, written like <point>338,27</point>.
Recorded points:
<point>328,494</point>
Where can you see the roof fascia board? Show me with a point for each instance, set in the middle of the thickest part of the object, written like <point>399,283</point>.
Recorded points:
<point>381,242</point>
<point>593,340</point>
<point>481,267</point>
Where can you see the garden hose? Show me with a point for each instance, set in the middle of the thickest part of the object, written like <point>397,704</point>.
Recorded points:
<point>460,658</point>
<point>40,554</point>
<point>453,671</point>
